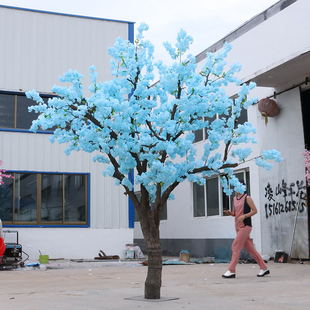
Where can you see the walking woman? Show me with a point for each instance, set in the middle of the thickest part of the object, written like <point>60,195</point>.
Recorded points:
<point>243,209</point>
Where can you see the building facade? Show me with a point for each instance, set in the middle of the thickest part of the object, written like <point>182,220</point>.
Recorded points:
<point>60,205</point>
<point>274,50</point>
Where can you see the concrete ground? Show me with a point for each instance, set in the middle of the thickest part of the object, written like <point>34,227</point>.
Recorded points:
<point>115,284</point>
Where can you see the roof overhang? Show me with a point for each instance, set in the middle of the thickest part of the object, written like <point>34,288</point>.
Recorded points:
<point>285,70</point>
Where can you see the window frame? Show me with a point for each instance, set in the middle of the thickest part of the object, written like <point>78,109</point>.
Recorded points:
<point>165,210</point>
<point>15,128</point>
<point>203,131</point>
<point>220,194</point>
<point>39,222</point>
<point>205,198</point>
<point>246,180</point>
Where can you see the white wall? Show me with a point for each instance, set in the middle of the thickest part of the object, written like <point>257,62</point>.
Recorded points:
<point>36,48</point>
<point>34,152</point>
<point>272,42</point>
<point>284,133</point>
<point>181,223</point>
<point>39,47</point>
<point>109,222</point>
<point>70,243</point>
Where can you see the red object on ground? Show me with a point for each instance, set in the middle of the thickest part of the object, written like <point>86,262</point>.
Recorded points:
<point>2,246</point>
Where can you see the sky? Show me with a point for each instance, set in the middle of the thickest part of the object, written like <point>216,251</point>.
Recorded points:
<point>207,21</point>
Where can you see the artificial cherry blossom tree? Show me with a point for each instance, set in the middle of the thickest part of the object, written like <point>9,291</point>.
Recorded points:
<point>137,124</point>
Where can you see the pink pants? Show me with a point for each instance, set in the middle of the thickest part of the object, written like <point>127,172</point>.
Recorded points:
<point>243,240</point>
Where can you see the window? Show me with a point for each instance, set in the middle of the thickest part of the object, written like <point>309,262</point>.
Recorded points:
<point>210,199</point>
<point>25,197</point>
<point>199,200</point>
<point>212,193</point>
<point>206,198</point>
<point>163,215</point>
<point>242,118</point>
<point>243,176</point>
<point>14,111</point>
<point>44,199</point>
<point>202,134</point>
<point>23,117</point>
<point>198,135</point>
<point>7,111</point>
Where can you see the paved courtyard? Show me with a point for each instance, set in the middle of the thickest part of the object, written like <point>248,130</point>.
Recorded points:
<point>119,285</point>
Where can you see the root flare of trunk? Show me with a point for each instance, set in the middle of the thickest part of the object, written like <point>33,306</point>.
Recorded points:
<point>153,280</point>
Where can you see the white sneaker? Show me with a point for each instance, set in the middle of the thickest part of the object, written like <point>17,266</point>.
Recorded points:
<point>229,274</point>
<point>263,273</point>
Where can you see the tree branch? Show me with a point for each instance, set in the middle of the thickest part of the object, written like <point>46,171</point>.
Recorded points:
<point>139,165</point>
<point>88,116</point>
<point>169,190</point>
<point>180,133</point>
<point>205,168</point>
<point>149,124</point>
<point>226,150</point>
<point>117,174</point>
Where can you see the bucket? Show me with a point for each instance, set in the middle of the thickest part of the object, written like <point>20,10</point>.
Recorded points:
<point>43,259</point>
<point>184,256</point>
<point>130,254</point>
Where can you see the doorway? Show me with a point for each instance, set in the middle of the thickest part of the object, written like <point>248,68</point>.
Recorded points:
<point>305,108</point>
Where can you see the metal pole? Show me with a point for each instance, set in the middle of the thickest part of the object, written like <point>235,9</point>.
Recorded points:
<point>294,227</point>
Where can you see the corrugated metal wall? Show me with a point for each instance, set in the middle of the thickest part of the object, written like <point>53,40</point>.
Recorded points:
<point>36,48</point>
<point>34,152</point>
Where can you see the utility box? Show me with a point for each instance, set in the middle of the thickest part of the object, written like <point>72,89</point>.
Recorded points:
<point>280,257</point>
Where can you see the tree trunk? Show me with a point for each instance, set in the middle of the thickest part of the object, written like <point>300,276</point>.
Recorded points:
<point>154,273</point>
<point>150,230</point>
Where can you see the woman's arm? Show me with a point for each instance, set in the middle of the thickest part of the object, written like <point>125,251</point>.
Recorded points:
<point>251,204</point>
<point>227,212</point>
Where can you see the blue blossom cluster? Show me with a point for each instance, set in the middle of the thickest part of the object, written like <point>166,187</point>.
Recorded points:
<point>230,181</point>
<point>268,154</point>
<point>133,123</point>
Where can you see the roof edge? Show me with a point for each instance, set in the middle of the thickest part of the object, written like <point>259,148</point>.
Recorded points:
<point>65,14</point>
<point>245,27</point>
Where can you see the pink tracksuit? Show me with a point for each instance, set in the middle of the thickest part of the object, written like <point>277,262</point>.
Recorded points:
<point>243,238</point>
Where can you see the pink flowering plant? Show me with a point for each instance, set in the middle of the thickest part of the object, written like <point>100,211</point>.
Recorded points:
<point>3,175</point>
<point>306,155</point>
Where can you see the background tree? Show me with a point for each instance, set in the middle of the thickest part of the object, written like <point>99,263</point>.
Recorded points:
<point>137,125</point>
<point>306,154</point>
